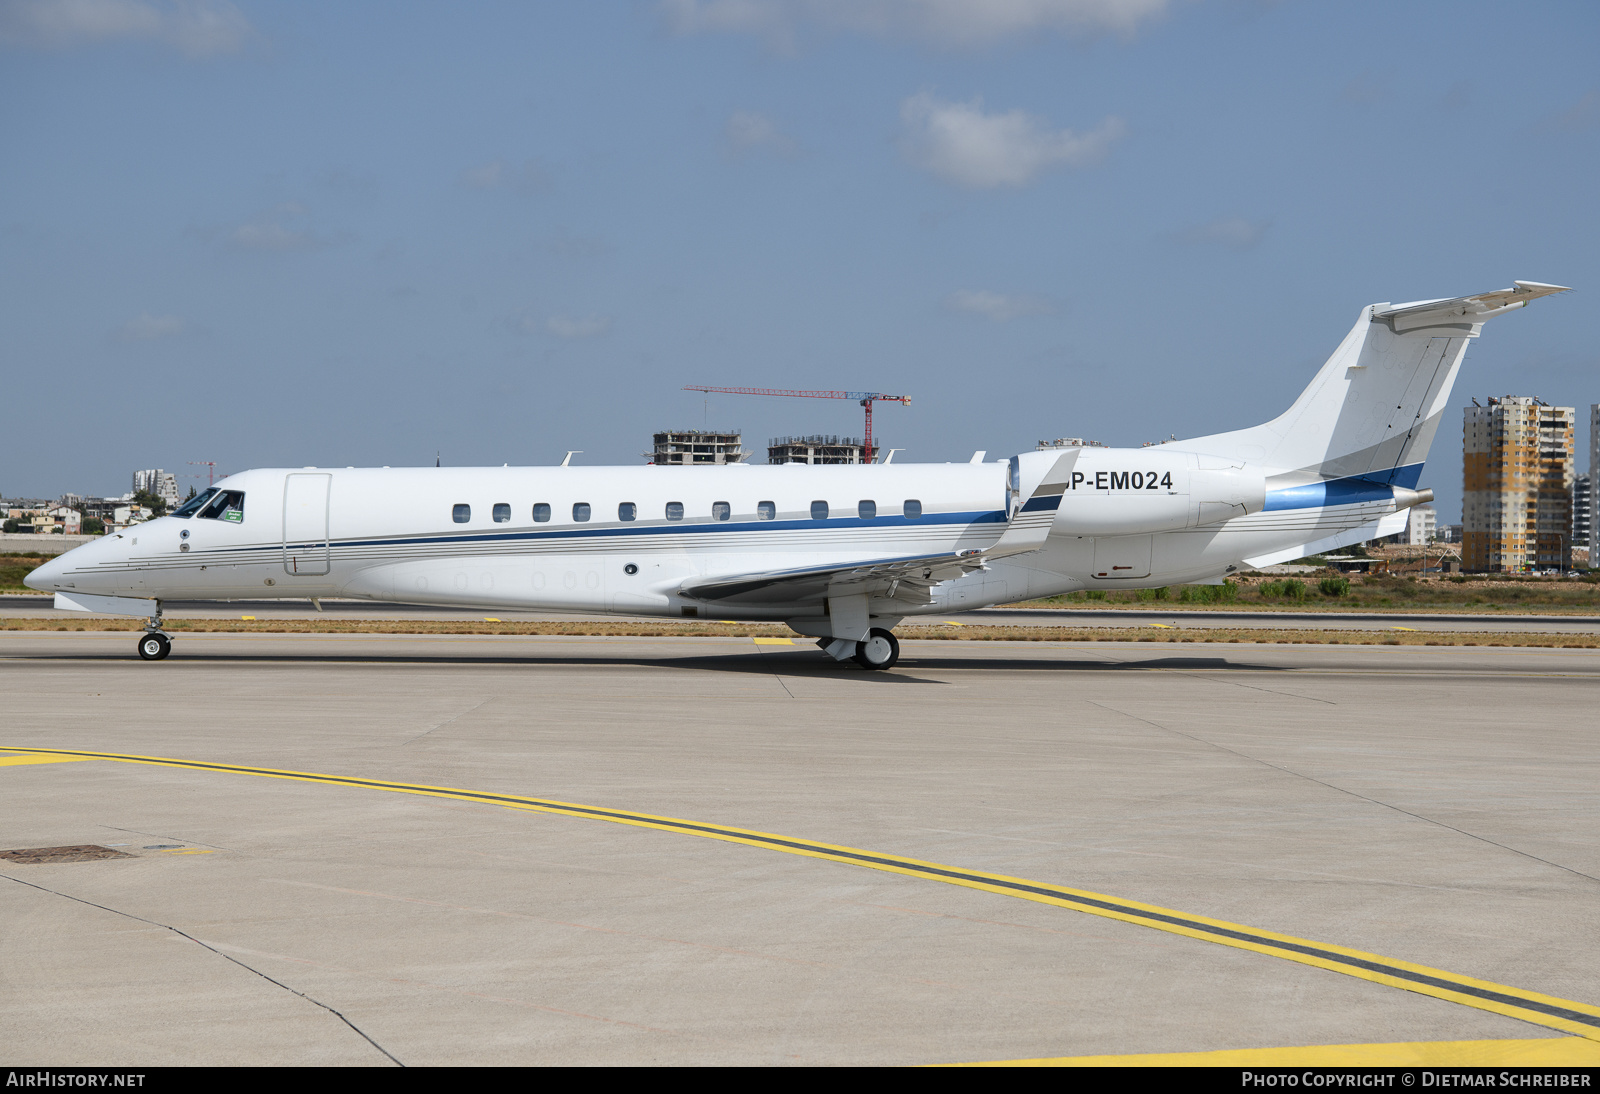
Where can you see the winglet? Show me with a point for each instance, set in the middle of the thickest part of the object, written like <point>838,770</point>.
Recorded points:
<point>1030,525</point>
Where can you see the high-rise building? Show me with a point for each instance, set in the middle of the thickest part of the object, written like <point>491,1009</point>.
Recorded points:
<point>163,484</point>
<point>1583,512</point>
<point>1422,525</point>
<point>697,448</point>
<point>1517,472</point>
<point>1594,482</point>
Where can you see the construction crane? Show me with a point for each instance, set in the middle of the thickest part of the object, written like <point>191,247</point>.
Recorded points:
<point>865,398</point>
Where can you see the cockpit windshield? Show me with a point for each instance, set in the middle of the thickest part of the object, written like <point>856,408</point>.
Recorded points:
<point>190,507</point>
<point>228,505</point>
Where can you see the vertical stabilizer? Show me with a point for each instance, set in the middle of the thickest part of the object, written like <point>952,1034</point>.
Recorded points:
<point>1374,407</point>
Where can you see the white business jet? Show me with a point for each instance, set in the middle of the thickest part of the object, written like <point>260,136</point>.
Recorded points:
<point>839,553</point>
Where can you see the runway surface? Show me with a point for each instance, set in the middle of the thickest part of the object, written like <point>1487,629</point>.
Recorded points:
<point>39,607</point>
<point>367,849</point>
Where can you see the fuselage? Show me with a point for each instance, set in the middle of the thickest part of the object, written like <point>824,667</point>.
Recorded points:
<point>626,539</point>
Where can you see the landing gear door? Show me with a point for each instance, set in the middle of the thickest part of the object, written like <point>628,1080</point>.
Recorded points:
<point>305,524</point>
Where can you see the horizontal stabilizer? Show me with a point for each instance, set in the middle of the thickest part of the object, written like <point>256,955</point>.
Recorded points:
<point>1463,309</point>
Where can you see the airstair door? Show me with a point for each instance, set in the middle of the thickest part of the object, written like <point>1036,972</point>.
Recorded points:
<point>305,524</point>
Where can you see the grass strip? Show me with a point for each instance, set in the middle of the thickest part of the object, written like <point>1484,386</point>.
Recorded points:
<point>970,633</point>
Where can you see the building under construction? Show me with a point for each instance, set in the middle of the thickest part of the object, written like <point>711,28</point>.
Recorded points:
<point>697,447</point>
<point>816,448</point>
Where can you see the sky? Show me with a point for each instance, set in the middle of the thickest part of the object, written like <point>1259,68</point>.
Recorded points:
<point>290,234</point>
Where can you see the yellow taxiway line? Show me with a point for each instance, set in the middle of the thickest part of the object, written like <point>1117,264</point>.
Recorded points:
<point>1565,1015</point>
<point>1539,1052</point>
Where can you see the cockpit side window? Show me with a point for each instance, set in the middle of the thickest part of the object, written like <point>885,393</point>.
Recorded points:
<point>193,505</point>
<point>228,505</point>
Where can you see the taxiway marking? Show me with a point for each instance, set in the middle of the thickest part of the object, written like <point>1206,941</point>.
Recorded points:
<point>1567,1015</point>
<point>1539,1052</point>
<point>20,761</point>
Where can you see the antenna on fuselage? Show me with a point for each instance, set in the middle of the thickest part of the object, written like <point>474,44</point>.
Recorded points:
<point>436,462</point>
<point>567,460</point>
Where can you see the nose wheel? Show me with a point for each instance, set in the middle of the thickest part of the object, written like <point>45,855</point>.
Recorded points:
<point>154,646</point>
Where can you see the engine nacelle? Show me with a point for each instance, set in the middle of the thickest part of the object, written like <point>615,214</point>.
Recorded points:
<point>1118,492</point>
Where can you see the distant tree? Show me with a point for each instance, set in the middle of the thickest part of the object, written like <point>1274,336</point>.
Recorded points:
<point>10,525</point>
<point>191,494</point>
<point>153,502</point>
<point>93,527</point>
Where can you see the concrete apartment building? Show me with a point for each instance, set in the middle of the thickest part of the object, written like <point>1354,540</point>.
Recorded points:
<point>1594,482</point>
<point>1422,525</point>
<point>697,448</point>
<point>1517,476</point>
<point>818,448</point>
<point>163,484</point>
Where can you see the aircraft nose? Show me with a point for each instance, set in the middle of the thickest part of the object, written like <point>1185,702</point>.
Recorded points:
<point>46,577</point>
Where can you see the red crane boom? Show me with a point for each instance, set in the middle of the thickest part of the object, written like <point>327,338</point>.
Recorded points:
<point>865,398</point>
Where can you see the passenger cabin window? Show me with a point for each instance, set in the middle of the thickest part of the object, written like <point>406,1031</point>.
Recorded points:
<point>228,505</point>
<point>627,511</point>
<point>913,509</point>
<point>819,510</point>
<point>580,511</point>
<point>765,510</point>
<point>461,514</point>
<point>541,512</point>
<point>866,510</point>
<point>196,503</point>
<point>674,510</point>
<point>502,512</point>
<point>721,510</point>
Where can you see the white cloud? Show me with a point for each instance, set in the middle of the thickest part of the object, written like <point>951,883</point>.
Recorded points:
<point>148,328</point>
<point>942,22</point>
<point>564,327</point>
<point>198,28</point>
<point>526,177</point>
<point>284,229</point>
<point>1235,233</point>
<point>996,306</point>
<point>961,144</point>
<point>748,131</point>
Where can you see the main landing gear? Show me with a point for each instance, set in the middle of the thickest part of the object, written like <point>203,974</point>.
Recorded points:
<point>154,644</point>
<point>880,651</point>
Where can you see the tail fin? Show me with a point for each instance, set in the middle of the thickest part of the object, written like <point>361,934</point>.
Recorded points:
<point>1373,409</point>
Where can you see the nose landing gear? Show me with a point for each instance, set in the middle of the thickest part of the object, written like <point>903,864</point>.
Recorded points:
<point>154,644</point>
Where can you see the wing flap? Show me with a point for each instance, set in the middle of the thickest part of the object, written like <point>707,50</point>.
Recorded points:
<point>906,578</point>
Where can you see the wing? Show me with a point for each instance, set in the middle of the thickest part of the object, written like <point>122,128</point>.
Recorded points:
<point>911,579</point>
<point>907,578</point>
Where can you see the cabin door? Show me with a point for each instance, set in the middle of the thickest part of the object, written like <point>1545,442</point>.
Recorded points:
<point>305,524</point>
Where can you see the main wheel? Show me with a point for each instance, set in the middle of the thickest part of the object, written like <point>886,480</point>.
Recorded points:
<point>880,651</point>
<point>154,646</point>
